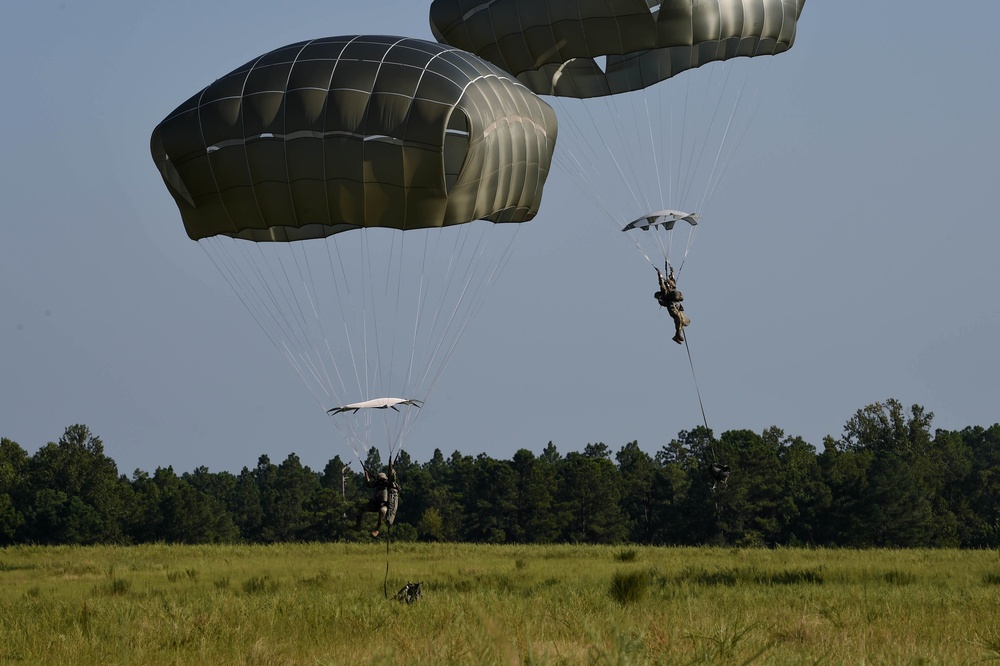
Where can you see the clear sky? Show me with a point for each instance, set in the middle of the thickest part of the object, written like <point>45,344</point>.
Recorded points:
<point>852,257</point>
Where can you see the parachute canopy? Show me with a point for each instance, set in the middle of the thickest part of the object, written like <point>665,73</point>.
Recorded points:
<point>654,140</point>
<point>334,134</point>
<point>370,174</point>
<point>377,403</point>
<point>591,48</point>
<point>665,219</point>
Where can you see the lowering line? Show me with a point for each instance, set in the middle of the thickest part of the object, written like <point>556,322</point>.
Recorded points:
<point>701,403</point>
<point>722,474</point>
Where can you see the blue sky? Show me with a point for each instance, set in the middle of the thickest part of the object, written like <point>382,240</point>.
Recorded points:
<point>852,257</point>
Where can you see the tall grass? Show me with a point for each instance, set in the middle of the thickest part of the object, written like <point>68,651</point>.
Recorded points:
<point>325,604</point>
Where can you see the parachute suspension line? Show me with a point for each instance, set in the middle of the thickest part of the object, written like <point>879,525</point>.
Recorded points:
<point>479,292</point>
<point>741,132</point>
<point>392,439</point>
<point>604,174</point>
<point>336,263</point>
<point>695,98</point>
<point>378,379</point>
<point>709,185</point>
<point>678,188</point>
<point>687,248</point>
<point>574,168</point>
<point>420,305</point>
<point>261,279</point>
<point>656,161</point>
<point>586,146</point>
<point>378,362</point>
<point>599,152</point>
<point>363,373</point>
<point>396,441</point>
<point>254,290</point>
<point>357,432</point>
<point>455,251</point>
<point>231,274</point>
<point>312,356</point>
<point>687,142</point>
<point>639,140</point>
<point>596,131</point>
<point>282,297</point>
<point>665,244</point>
<point>442,327</point>
<point>345,301</point>
<point>450,268</point>
<point>368,291</point>
<point>700,149</point>
<point>664,133</point>
<point>727,150</point>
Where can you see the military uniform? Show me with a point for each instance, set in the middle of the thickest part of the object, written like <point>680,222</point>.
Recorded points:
<point>384,501</point>
<point>669,297</point>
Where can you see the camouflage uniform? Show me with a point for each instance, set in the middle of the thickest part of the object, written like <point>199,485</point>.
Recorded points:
<point>669,297</point>
<point>384,501</point>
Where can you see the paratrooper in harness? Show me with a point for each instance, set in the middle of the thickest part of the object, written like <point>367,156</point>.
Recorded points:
<point>669,297</point>
<point>384,500</point>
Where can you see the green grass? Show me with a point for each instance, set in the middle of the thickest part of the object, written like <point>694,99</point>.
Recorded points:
<point>324,604</point>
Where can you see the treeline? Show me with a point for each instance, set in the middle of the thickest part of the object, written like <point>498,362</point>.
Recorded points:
<point>889,481</point>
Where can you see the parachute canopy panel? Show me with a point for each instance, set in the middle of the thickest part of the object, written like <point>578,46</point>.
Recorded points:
<point>347,132</point>
<point>558,47</point>
<point>664,219</point>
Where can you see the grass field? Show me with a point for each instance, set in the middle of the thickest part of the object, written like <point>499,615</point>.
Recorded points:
<point>324,604</point>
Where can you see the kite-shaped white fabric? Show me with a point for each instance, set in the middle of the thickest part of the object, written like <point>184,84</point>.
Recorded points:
<point>662,218</point>
<point>377,403</point>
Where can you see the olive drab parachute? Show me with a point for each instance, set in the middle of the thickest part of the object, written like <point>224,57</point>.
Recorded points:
<point>652,96</point>
<point>658,140</point>
<point>358,194</point>
<point>556,46</point>
<point>328,135</point>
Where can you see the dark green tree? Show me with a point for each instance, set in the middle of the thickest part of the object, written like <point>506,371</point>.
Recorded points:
<point>750,503</point>
<point>686,503</point>
<point>458,503</point>
<point>293,485</point>
<point>845,473</point>
<point>590,496</point>
<point>416,485</point>
<point>535,518</point>
<point>899,503</point>
<point>677,473</point>
<point>441,501</point>
<point>335,475</point>
<point>144,520</point>
<point>177,512</point>
<point>550,453</point>
<point>76,495</point>
<point>246,509</point>
<point>599,450</point>
<point>220,485</point>
<point>14,463</point>
<point>325,516</point>
<point>493,507</point>
<point>980,490</point>
<point>807,498</point>
<point>638,474</point>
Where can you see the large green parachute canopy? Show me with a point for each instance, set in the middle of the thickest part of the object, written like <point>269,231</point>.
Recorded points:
<point>656,141</point>
<point>351,190</point>
<point>591,48</point>
<point>333,134</point>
